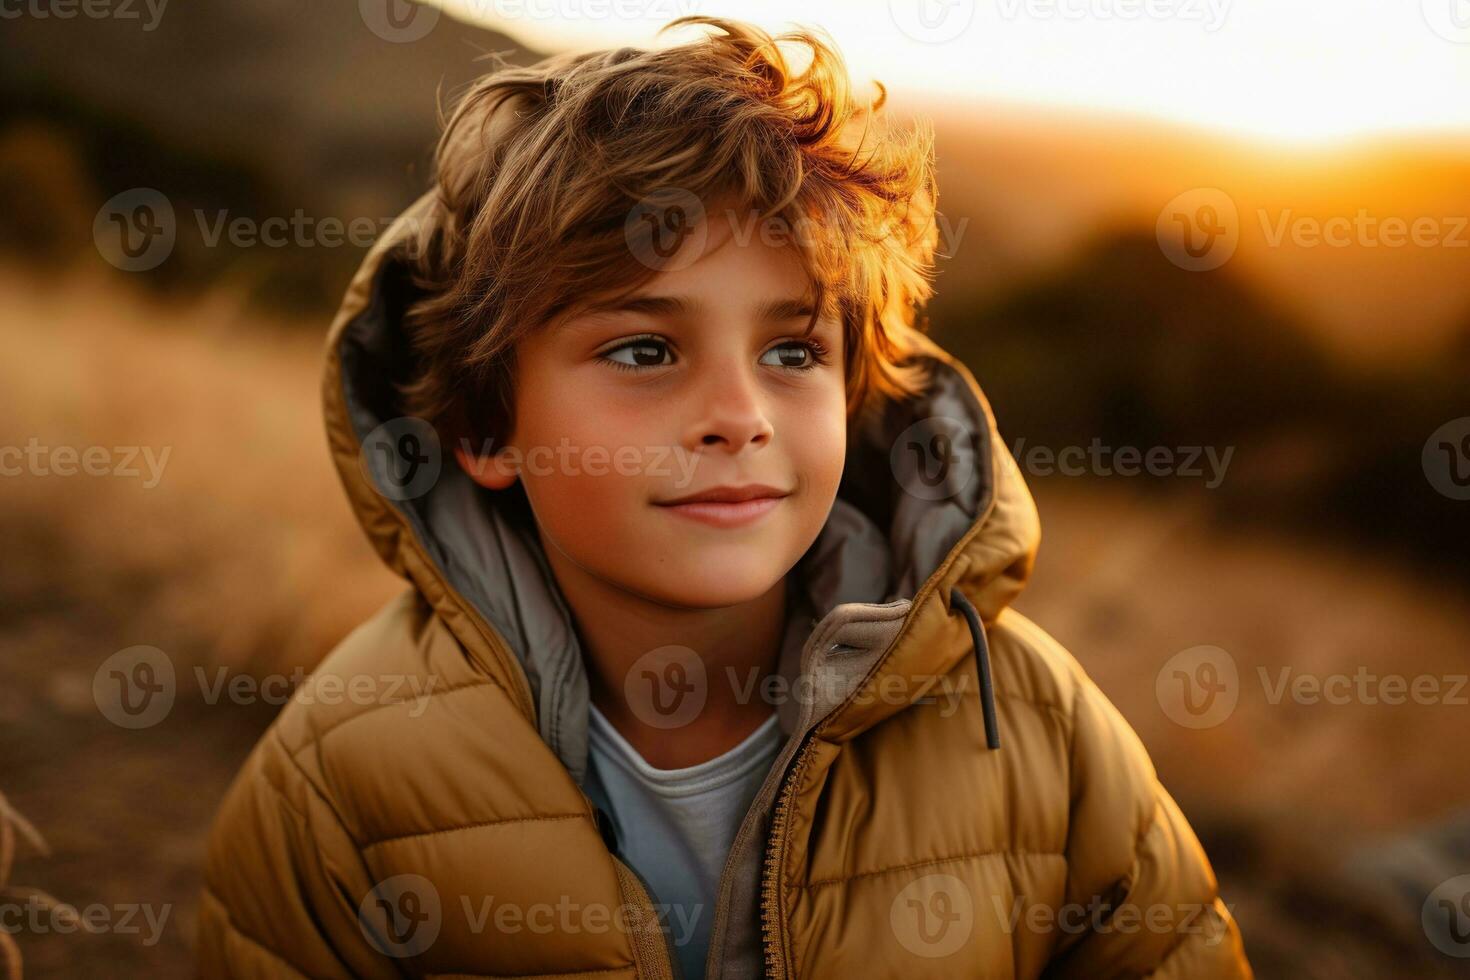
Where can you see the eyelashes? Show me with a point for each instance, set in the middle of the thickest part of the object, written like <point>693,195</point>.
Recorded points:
<point>815,348</point>
<point>644,342</point>
<point>818,353</point>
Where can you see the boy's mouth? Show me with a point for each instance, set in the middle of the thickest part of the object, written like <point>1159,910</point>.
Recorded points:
<point>727,506</point>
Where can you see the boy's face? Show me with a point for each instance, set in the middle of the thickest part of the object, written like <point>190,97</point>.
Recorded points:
<point>702,379</point>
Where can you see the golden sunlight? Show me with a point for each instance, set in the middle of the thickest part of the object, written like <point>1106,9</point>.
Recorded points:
<point>1305,71</point>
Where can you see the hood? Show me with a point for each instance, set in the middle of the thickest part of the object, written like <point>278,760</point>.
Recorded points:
<point>901,536</point>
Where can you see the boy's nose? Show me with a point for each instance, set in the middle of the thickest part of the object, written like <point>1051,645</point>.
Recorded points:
<point>731,414</point>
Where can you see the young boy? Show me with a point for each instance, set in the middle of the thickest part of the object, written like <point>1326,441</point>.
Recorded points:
<point>707,667</point>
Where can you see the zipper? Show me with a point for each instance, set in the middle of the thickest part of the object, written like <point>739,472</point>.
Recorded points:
<point>745,838</point>
<point>772,935</point>
<point>775,856</point>
<point>791,762</point>
<point>786,759</point>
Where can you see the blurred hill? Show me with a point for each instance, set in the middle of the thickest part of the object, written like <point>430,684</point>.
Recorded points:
<point>256,109</point>
<point>1037,185</point>
<point>304,91</point>
<point>1119,346</point>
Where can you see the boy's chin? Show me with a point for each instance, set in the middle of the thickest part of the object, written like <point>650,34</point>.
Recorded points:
<point>716,584</point>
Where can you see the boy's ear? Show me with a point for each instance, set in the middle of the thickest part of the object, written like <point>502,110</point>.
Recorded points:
<point>493,471</point>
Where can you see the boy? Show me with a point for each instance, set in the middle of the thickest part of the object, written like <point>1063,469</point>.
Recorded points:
<point>707,668</point>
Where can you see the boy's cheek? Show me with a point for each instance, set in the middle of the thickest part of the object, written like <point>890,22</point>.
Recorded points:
<point>586,505</point>
<point>585,528</point>
<point>573,457</point>
<point>821,462</point>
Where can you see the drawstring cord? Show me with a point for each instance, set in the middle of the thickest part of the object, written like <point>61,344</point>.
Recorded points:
<point>982,665</point>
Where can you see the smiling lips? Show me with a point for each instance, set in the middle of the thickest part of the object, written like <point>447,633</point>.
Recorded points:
<point>727,506</point>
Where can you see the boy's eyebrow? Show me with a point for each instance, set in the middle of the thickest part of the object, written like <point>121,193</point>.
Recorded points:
<point>787,309</point>
<point>778,309</point>
<point>650,305</point>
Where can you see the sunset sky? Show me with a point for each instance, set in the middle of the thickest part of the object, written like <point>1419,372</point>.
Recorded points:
<point>1293,70</point>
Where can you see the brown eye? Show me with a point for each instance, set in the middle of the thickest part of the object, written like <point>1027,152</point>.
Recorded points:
<point>795,355</point>
<point>640,353</point>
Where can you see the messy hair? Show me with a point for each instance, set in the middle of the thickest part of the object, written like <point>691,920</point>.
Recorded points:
<point>539,169</point>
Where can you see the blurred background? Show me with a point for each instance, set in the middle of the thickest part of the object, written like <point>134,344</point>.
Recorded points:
<point>1209,259</point>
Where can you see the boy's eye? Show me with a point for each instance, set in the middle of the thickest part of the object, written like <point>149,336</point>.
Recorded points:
<point>792,354</point>
<point>639,353</point>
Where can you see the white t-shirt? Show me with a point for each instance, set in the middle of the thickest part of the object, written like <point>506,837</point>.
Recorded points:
<point>675,826</point>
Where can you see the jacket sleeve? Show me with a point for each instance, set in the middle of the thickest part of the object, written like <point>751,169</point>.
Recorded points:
<point>282,881</point>
<point>1142,899</point>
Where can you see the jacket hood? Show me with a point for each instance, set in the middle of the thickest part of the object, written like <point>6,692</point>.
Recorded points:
<point>901,535</point>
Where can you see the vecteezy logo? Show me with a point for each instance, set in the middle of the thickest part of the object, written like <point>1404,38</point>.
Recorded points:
<point>402,458</point>
<point>932,21</point>
<point>398,21</point>
<point>135,230</point>
<point>1200,229</point>
<point>667,229</point>
<point>1446,916</point>
<point>1198,687</point>
<point>667,687</point>
<point>402,915</point>
<point>135,688</point>
<point>934,458</point>
<point>1447,459</point>
<point>1450,19</point>
<point>933,916</point>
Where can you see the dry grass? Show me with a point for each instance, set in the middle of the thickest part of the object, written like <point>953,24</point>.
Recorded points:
<point>244,554</point>
<point>1291,799</point>
<point>1127,583</point>
<point>248,528</point>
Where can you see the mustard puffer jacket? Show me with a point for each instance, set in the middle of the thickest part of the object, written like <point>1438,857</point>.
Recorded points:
<point>955,798</point>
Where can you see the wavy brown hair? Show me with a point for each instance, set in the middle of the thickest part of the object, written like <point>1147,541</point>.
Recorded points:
<point>539,168</point>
